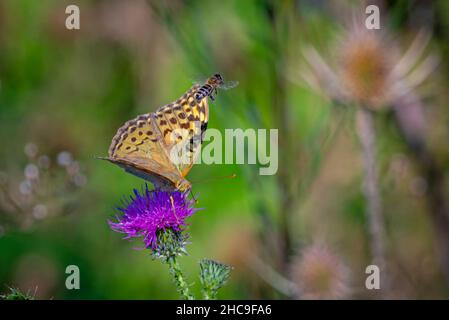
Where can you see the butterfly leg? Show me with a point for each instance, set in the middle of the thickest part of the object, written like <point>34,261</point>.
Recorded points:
<point>194,198</point>
<point>173,206</point>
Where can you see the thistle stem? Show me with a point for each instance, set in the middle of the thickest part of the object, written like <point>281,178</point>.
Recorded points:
<point>367,136</point>
<point>181,283</point>
<point>209,294</point>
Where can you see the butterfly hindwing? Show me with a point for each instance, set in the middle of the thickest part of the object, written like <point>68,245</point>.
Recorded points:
<point>149,146</point>
<point>138,143</point>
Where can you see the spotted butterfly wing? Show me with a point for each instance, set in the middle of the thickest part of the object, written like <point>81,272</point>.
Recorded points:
<point>183,123</point>
<point>147,145</point>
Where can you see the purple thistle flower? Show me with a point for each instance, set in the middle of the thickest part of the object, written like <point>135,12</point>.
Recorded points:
<point>153,211</point>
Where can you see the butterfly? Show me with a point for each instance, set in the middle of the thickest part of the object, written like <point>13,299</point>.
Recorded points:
<point>151,145</point>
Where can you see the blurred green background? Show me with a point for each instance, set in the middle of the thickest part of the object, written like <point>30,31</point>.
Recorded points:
<point>64,93</point>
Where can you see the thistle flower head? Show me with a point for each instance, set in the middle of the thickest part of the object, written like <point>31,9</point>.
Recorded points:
<point>320,274</point>
<point>150,214</point>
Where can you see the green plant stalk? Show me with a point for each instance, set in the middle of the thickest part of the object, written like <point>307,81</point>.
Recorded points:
<point>209,294</point>
<point>181,283</point>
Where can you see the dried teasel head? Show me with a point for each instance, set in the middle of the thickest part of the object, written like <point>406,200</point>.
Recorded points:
<point>319,273</point>
<point>370,67</point>
<point>364,69</point>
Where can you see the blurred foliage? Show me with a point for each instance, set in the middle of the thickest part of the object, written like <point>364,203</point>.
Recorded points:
<point>70,90</point>
<point>16,294</point>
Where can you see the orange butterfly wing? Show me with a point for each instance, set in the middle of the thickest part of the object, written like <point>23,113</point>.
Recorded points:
<point>146,145</point>
<point>182,125</point>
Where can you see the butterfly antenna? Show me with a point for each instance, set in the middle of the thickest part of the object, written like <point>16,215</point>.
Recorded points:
<point>102,158</point>
<point>232,176</point>
<point>194,198</point>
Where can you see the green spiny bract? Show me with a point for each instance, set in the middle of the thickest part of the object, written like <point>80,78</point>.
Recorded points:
<point>170,243</point>
<point>213,275</point>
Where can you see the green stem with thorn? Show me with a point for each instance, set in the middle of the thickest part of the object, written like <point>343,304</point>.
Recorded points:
<point>181,283</point>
